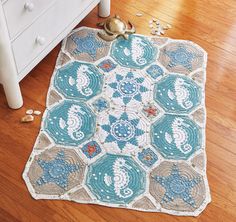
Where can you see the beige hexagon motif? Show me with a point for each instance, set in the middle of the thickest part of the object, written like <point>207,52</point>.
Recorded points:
<point>53,97</point>
<point>176,186</point>
<point>62,59</point>
<point>159,41</point>
<point>199,162</point>
<point>55,171</point>
<point>199,115</point>
<point>144,203</point>
<point>181,57</point>
<point>80,195</point>
<point>42,141</point>
<point>199,77</point>
<point>84,44</point>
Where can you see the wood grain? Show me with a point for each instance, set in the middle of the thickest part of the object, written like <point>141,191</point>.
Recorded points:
<point>209,23</point>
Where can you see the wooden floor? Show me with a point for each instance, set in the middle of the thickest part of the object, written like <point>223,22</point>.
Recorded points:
<point>211,24</point>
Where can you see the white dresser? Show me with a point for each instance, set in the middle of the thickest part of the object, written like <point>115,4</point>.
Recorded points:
<point>29,30</point>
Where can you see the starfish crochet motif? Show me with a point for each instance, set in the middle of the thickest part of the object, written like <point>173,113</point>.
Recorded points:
<point>177,186</point>
<point>88,44</point>
<point>181,56</point>
<point>56,171</point>
<point>151,111</point>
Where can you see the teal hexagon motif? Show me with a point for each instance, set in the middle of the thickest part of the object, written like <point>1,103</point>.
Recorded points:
<point>177,93</point>
<point>116,179</point>
<point>70,123</point>
<point>80,81</point>
<point>136,52</point>
<point>176,137</point>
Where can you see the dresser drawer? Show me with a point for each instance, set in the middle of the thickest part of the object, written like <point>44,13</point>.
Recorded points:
<point>45,29</point>
<point>21,13</point>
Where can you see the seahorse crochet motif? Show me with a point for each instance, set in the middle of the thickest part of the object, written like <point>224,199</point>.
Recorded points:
<point>74,123</point>
<point>180,135</point>
<point>121,178</point>
<point>182,93</point>
<point>82,81</point>
<point>137,51</point>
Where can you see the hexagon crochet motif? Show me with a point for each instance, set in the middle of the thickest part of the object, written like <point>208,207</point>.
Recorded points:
<point>125,125</point>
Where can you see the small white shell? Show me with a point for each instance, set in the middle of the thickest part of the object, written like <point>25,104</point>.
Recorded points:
<point>37,112</point>
<point>139,14</point>
<point>150,22</point>
<point>169,26</point>
<point>153,32</point>
<point>27,119</point>
<point>154,19</point>
<point>162,32</point>
<point>151,26</point>
<point>29,111</point>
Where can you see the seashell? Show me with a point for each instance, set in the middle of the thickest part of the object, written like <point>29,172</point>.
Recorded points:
<point>154,19</point>
<point>151,26</point>
<point>37,112</point>
<point>158,22</point>
<point>153,32</point>
<point>158,32</point>
<point>27,119</point>
<point>150,22</point>
<point>139,14</point>
<point>29,111</point>
<point>167,26</point>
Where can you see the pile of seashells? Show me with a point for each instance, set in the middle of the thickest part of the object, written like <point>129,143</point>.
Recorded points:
<point>156,27</point>
<point>29,115</point>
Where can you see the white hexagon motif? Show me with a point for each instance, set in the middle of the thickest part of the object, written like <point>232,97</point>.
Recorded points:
<point>128,88</point>
<point>122,131</point>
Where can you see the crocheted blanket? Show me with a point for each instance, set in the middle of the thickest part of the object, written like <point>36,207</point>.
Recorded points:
<point>124,125</point>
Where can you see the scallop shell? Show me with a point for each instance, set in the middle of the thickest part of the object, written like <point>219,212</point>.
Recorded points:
<point>37,112</point>
<point>29,112</point>
<point>139,14</point>
<point>27,119</point>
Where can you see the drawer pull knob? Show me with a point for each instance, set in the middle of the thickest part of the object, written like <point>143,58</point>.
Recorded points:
<point>40,40</point>
<point>29,6</point>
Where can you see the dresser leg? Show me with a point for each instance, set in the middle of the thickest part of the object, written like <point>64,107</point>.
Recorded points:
<point>8,72</point>
<point>104,8</point>
<point>13,93</point>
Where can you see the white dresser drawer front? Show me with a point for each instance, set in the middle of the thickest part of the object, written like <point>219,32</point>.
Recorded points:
<point>45,29</point>
<point>21,13</point>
